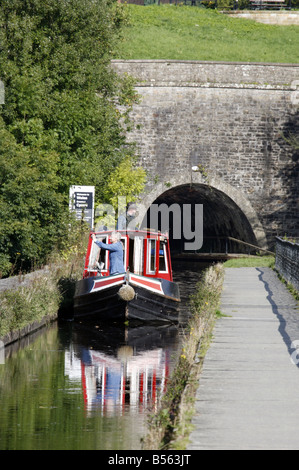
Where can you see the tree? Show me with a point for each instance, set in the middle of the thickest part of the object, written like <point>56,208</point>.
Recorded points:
<point>60,124</point>
<point>124,185</point>
<point>31,208</point>
<point>126,181</point>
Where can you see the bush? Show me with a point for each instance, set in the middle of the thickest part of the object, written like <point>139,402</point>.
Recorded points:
<point>31,303</point>
<point>60,124</point>
<point>5,265</point>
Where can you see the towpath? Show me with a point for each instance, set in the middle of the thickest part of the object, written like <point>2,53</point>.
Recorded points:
<point>248,394</point>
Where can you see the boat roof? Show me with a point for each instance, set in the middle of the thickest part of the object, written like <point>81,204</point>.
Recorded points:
<point>147,233</point>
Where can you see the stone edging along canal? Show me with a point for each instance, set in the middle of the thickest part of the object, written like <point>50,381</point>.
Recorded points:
<point>29,283</point>
<point>16,335</point>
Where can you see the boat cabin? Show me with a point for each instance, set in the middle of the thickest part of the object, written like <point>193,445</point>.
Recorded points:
<point>146,253</point>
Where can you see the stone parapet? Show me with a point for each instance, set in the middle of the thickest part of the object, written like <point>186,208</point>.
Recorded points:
<point>234,121</point>
<point>207,74</point>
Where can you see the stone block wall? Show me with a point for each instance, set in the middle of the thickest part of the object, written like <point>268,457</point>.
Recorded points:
<point>231,119</point>
<point>287,261</point>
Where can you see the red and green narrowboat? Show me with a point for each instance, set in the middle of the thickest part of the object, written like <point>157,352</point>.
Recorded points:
<point>145,292</point>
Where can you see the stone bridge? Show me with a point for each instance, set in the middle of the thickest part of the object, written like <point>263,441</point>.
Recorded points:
<point>219,134</point>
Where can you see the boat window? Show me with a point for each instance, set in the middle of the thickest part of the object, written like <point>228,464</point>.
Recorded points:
<point>125,247</point>
<point>98,258</point>
<point>151,256</point>
<point>162,258</point>
<point>138,255</point>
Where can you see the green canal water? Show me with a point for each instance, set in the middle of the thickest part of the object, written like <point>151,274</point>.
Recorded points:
<point>72,388</point>
<point>87,386</point>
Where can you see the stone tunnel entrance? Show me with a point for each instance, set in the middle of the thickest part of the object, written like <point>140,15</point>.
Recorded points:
<point>222,220</point>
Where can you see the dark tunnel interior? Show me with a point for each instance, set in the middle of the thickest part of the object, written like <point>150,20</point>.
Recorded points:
<point>221,218</point>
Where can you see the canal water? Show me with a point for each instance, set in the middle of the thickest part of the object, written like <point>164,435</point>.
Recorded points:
<point>89,386</point>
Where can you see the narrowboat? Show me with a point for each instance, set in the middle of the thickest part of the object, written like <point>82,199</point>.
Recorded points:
<point>144,292</point>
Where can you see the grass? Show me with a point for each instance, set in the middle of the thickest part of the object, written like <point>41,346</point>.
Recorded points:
<point>251,262</point>
<point>189,33</point>
<point>28,304</point>
<point>45,295</point>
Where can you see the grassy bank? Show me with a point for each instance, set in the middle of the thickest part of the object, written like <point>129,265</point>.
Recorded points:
<point>47,294</point>
<point>169,427</point>
<point>28,304</point>
<point>251,262</point>
<point>188,33</point>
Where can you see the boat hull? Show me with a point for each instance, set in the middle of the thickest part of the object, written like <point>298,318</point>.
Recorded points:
<point>153,300</point>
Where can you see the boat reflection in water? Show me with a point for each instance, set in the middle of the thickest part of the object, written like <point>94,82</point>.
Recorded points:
<point>121,368</point>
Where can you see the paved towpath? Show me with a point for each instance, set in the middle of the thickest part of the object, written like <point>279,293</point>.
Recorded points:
<point>248,394</point>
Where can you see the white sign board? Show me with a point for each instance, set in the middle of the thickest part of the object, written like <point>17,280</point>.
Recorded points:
<point>82,203</point>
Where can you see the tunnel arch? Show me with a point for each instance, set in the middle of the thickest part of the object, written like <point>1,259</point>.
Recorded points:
<point>226,210</point>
